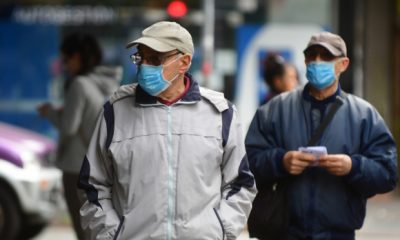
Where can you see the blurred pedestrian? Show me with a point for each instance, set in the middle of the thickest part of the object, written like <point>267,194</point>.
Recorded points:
<point>87,86</point>
<point>280,76</point>
<point>326,194</point>
<point>167,159</point>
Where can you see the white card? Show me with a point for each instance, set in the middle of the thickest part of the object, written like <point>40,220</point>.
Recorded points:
<point>317,151</point>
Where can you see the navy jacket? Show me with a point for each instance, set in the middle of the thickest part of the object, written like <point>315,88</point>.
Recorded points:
<point>323,206</point>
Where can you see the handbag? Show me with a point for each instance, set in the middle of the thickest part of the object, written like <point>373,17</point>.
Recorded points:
<point>270,215</point>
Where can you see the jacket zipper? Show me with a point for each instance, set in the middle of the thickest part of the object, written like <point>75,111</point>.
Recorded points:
<point>170,176</point>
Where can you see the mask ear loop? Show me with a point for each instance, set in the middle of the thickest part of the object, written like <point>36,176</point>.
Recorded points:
<point>178,57</point>
<point>334,68</point>
<point>177,75</point>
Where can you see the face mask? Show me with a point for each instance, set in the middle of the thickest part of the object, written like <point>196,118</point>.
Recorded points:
<point>321,74</point>
<point>151,78</point>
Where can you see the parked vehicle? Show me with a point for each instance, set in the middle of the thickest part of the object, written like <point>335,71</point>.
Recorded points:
<point>29,185</point>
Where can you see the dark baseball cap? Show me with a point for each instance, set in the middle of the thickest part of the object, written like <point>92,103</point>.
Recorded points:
<point>332,42</point>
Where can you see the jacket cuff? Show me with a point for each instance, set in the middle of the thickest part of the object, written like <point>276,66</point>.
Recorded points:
<point>279,162</point>
<point>355,166</point>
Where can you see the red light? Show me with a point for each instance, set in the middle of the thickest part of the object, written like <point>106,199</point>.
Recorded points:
<point>177,9</point>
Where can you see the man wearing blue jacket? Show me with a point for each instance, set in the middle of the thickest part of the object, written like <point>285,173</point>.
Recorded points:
<point>327,195</point>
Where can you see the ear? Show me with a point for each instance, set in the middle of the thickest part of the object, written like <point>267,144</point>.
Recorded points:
<point>343,64</point>
<point>185,62</point>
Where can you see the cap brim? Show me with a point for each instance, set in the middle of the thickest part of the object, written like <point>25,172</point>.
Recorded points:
<point>329,47</point>
<point>151,43</point>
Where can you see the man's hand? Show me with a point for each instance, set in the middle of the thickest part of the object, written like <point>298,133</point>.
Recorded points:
<point>336,164</point>
<point>295,161</point>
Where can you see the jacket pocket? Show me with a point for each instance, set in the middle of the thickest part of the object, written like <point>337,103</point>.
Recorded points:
<point>220,223</point>
<point>121,224</point>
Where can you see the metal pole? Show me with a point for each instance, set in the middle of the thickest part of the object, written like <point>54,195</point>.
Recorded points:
<point>359,45</point>
<point>208,40</point>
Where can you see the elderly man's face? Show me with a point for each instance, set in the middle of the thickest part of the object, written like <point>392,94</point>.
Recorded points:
<point>320,54</point>
<point>169,60</point>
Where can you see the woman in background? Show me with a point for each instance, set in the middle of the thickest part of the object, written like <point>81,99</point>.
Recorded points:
<point>280,76</point>
<point>86,89</point>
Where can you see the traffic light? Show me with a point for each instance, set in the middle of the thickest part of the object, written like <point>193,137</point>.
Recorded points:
<point>177,9</point>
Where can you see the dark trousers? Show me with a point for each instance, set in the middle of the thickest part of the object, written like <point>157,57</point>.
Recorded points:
<point>74,202</point>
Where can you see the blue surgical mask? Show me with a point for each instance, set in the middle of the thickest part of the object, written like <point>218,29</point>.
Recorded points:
<point>151,79</point>
<point>321,74</point>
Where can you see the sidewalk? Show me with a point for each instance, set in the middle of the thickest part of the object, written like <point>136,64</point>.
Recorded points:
<point>382,222</point>
<point>383,219</point>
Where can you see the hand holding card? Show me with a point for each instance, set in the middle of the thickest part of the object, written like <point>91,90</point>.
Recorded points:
<point>317,151</point>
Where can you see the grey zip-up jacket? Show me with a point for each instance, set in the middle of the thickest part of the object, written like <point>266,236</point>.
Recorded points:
<point>83,102</point>
<point>167,172</point>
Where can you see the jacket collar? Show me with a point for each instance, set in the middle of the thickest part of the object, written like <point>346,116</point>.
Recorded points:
<point>192,95</point>
<point>316,102</point>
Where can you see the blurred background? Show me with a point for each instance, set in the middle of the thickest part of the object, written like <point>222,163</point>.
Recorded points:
<point>231,37</point>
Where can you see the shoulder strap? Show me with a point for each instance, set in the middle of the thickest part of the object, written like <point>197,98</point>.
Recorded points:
<point>328,118</point>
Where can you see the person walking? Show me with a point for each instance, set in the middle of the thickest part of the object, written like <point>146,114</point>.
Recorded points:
<point>167,159</point>
<point>87,86</point>
<point>354,158</point>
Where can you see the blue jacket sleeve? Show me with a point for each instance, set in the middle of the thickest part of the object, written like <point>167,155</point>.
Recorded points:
<point>264,154</point>
<point>374,168</point>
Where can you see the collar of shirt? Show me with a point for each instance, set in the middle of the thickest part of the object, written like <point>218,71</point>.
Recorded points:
<point>169,103</point>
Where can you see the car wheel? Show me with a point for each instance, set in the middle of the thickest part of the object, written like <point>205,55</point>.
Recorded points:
<point>10,216</point>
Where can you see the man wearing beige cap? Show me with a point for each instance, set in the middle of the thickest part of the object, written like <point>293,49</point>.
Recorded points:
<point>167,159</point>
<point>329,150</point>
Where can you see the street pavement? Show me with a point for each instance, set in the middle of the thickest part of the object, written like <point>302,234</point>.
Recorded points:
<point>383,219</point>
<point>382,223</point>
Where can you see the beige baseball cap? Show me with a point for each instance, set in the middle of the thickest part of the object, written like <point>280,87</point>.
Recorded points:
<point>164,37</point>
<point>332,42</point>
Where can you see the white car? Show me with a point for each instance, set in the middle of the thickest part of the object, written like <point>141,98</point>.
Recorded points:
<point>30,189</point>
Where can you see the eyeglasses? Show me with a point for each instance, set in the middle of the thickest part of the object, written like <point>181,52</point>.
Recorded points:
<point>312,53</point>
<point>154,60</point>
